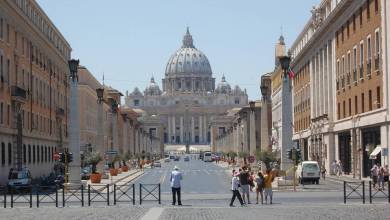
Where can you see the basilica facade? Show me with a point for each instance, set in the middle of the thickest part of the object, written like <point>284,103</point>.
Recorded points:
<point>189,98</point>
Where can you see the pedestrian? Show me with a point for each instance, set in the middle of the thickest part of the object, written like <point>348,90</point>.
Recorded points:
<point>244,182</point>
<point>323,171</point>
<point>339,168</point>
<point>374,174</point>
<point>334,168</point>
<point>268,179</point>
<point>386,174</point>
<point>251,179</point>
<point>233,172</point>
<point>381,180</point>
<point>236,193</point>
<point>176,178</point>
<point>259,187</point>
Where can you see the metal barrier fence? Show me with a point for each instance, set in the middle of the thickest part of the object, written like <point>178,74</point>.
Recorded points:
<point>150,190</point>
<point>354,187</point>
<point>124,193</point>
<point>72,192</point>
<point>98,193</point>
<point>3,195</point>
<point>380,193</point>
<point>21,195</point>
<point>45,195</point>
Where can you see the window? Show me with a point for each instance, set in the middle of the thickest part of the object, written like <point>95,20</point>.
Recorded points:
<point>356,105</point>
<point>354,22</point>
<point>24,153</point>
<point>347,29</point>
<point>354,64</point>
<point>9,153</point>
<point>38,154</point>
<point>236,101</point>
<point>337,38</point>
<point>369,55</point>
<point>361,59</point>
<point>338,110</point>
<point>378,97</point>
<point>376,6</point>
<point>136,102</point>
<point>343,109</point>
<point>8,33</point>
<point>361,16</point>
<point>1,28</point>
<point>377,49</point>
<point>2,154</point>
<point>29,153</point>
<point>368,8</point>
<point>349,107</point>
<point>1,113</point>
<point>362,102</point>
<point>33,150</point>
<point>369,100</point>
<point>42,154</point>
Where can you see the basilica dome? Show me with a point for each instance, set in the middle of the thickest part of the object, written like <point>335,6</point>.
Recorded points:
<point>188,59</point>
<point>153,88</point>
<point>223,87</point>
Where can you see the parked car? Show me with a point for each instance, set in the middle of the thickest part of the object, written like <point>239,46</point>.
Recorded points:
<point>308,171</point>
<point>186,158</point>
<point>19,178</point>
<point>172,157</point>
<point>157,164</point>
<point>177,158</point>
<point>167,160</point>
<point>85,173</point>
<point>207,157</point>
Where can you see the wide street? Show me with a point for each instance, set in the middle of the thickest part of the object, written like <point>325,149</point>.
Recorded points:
<point>206,195</point>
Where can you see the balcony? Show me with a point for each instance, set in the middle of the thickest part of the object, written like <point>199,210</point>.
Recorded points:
<point>376,63</point>
<point>369,69</point>
<point>18,94</point>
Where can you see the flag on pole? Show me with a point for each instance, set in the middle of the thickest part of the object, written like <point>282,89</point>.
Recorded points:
<point>291,73</point>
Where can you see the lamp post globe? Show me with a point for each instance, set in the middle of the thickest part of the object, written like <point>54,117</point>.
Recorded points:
<point>99,93</point>
<point>285,63</point>
<point>252,105</point>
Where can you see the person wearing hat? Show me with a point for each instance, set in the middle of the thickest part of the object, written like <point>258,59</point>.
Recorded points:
<point>176,177</point>
<point>236,193</point>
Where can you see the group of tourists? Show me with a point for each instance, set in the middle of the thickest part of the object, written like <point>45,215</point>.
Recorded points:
<point>244,181</point>
<point>379,175</point>
<point>337,168</point>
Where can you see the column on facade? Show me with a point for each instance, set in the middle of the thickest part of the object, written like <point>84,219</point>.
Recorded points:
<point>326,76</point>
<point>174,128</point>
<point>252,133</point>
<point>205,129</point>
<point>192,130</point>
<point>181,129</point>
<point>183,85</point>
<point>169,129</point>
<point>200,130</point>
<point>354,152</point>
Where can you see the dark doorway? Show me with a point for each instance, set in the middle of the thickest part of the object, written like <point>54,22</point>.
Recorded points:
<point>371,139</point>
<point>345,151</point>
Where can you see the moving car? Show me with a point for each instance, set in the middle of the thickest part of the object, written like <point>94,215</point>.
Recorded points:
<point>167,160</point>
<point>19,178</point>
<point>186,158</point>
<point>172,157</point>
<point>308,171</point>
<point>157,164</point>
<point>207,157</point>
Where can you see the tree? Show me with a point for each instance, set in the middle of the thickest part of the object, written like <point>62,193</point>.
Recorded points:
<point>267,157</point>
<point>93,158</point>
<point>232,155</point>
<point>243,154</point>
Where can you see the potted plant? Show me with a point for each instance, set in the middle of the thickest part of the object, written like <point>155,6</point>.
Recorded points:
<point>125,158</point>
<point>113,171</point>
<point>93,158</point>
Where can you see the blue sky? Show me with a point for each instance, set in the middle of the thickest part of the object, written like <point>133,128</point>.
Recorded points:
<point>129,41</point>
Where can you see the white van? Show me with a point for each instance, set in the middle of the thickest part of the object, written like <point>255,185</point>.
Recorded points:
<point>207,157</point>
<point>308,171</point>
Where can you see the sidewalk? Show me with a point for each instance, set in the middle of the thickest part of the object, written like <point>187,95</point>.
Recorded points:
<point>348,178</point>
<point>120,179</point>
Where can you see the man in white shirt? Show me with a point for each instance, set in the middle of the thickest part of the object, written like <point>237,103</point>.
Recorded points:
<point>176,177</point>
<point>236,193</point>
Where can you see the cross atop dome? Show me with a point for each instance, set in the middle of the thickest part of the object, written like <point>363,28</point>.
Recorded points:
<point>187,40</point>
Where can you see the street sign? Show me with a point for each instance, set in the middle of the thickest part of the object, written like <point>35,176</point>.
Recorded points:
<point>112,152</point>
<point>385,151</point>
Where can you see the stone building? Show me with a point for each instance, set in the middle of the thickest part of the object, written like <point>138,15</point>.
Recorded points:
<point>189,97</point>
<point>340,88</point>
<point>34,85</point>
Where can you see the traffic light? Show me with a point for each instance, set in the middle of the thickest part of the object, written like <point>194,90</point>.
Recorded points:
<point>289,154</point>
<point>70,157</point>
<point>61,157</point>
<point>298,155</point>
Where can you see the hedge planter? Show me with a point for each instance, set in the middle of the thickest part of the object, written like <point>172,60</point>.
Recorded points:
<point>96,177</point>
<point>125,168</point>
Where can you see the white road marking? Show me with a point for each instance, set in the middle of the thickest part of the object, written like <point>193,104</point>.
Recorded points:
<point>153,214</point>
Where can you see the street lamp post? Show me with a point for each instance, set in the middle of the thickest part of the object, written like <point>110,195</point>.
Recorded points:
<point>100,131</point>
<point>252,126</point>
<point>286,113</point>
<point>74,123</point>
<point>264,119</point>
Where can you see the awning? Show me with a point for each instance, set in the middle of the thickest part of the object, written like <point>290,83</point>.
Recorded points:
<point>375,152</point>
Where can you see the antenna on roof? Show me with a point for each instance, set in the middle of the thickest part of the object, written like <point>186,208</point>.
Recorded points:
<point>103,79</point>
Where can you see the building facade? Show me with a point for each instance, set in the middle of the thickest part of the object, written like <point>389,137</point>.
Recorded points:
<point>340,88</point>
<point>34,88</point>
<point>189,97</point>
